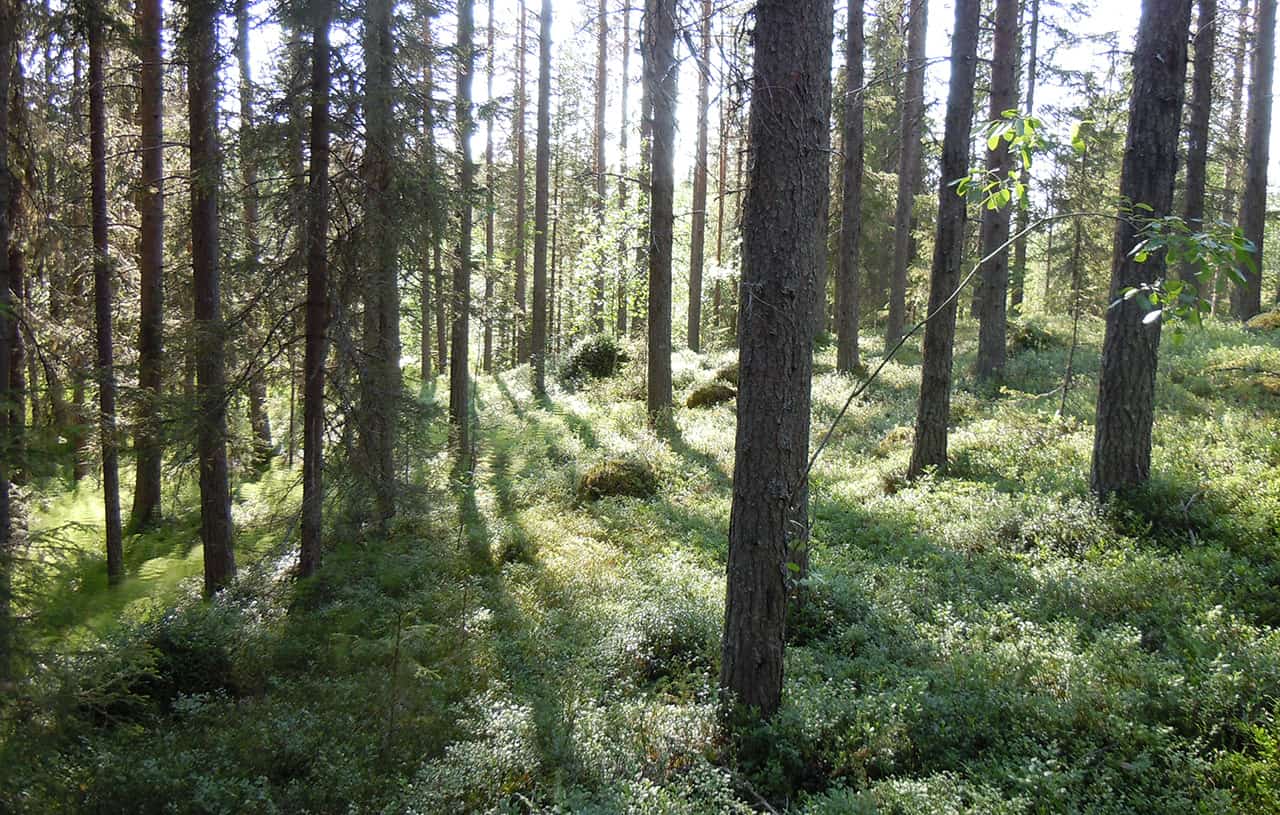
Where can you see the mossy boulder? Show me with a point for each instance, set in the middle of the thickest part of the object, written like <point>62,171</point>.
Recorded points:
<point>728,373</point>
<point>1266,321</point>
<point>597,356</point>
<point>712,393</point>
<point>628,477</point>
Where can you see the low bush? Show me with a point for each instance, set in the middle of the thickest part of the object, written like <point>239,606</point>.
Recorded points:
<point>597,356</point>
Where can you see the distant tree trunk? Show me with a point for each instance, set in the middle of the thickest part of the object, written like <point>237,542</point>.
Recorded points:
<point>722,162</point>
<point>1126,385</point>
<point>993,278</point>
<point>211,383</point>
<point>602,85</point>
<point>620,324</point>
<point>443,324</point>
<point>317,313</point>
<point>1018,275</point>
<point>541,172</point>
<point>488,199</point>
<point>1198,126</point>
<point>697,237</point>
<point>933,413</point>
<point>522,342</point>
<point>22,176</point>
<point>459,381</point>
<point>645,175</point>
<point>1246,300</point>
<point>1233,137</point>
<point>259,421</point>
<point>10,14</point>
<point>380,384</point>
<point>792,58</point>
<point>911,127</point>
<point>79,362</point>
<point>103,294</point>
<point>660,76</point>
<point>148,443</point>
<point>851,205</point>
<point>432,263</point>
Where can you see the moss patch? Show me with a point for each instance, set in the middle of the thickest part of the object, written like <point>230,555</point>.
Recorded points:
<point>728,373</point>
<point>1266,321</point>
<point>618,477</point>
<point>712,393</point>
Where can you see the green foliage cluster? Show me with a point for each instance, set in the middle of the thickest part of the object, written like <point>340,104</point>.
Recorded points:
<point>595,356</point>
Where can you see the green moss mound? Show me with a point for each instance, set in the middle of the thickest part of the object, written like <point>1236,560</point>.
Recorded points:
<point>618,477</point>
<point>1266,321</point>
<point>710,394</point>
<point>728,373</point>
<point>597,356</point>
<point>1026,335</point>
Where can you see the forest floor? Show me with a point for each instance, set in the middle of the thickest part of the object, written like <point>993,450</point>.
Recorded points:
<point>988,641</point>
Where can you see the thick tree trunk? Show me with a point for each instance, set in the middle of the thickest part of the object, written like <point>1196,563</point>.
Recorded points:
<point>602,85</point>
<point>993,278</point>
<point>933,413</point>
<point>148,443</point>
<point>103,294</point>
<point>459,376</point>
<point>660,76</point>
<point>521,228</point>
<point>781,220</point>
<point>211,383</point>
<point>911,127</point>
<point>1126,385</point>
<point>1198,126</point>
<point>851,205</point>
<point>698,235</point>
<point>1246,300</point>
<point>541,172</point>
<point>1018,274</point>
<point>380,382</point>
<point>317,314</point>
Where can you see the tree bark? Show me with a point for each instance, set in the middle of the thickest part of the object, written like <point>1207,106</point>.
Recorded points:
<point>541,172</point>
<point>1126,385</point>
<point>911,127</point>
<point>602,85</point>
<point>660,76</point>
<point>1234,139</point>
<point>459,377</point>
<point>10,13</point>
<point>1198,126</point>
<point>148,443</point>
<point>211,384</point>
<point>847,292</point>
<point>698,234</point>
<point>994,275</point>
<point>1246,300</point>
<point>620,322</point>
<point>523,349</point>
<point>781,220</point>
<point>488,198</point>
<point>1018,275</point>
<point>933,413</point>
<point>317,313</point>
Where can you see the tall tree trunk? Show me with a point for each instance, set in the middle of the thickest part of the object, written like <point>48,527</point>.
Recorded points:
<point>211,375</point>
<point>432,264</point>
<point>259,421</point>
<point>993,278</point>
<point>770,506</point>
<point>602,85</point>
<point>21,177</point>
<point>488,198</point>
<point>620,325</point>
<point>722,162</point>
<point>317,314</point>
<point>80,438</point>
<point>459,382</point>
<point>1018,275</point>
<point>380,384</point>
<point>103,294</point>
<point>660,76</point>
<point>1126,384</point>
<point>645,175</point>
<point>851,205</point>
<point>541,172</point>
<point>148,443</point>
<point>1246,300</point>
<point>697,237</point>
<point>1234,140</point>
<point>911,127</point>
<point>933,412</point>
<point>521,228</point>
<point>429,293</point>
<point>1198,126</point>
<point>10,13</point>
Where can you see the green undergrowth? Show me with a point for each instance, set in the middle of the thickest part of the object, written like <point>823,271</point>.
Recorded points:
<point>989,639</point>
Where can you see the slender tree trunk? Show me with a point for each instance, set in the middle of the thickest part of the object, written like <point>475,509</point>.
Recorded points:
<point>211,382</point>
<point>1126,385</point>
<point>602,85</point>
<point>994,275</point>
<point>1198,126</point>
<point>555,303</point>
<point>933,413</point>
<point>717,296</point>
<point>620,325</point>
<point>660,76</point>
<point>770,506</point>
<point>459,377</point>
<point>19,282</point>
<point>79,362</point>
<point>103,294</point>
<point>443,324</point>
<point>148,442</point>
<point>911,127</point>
<point>521,228</point>
<point>645,175</point>
<point>10,13</point>
<point>1234,138</point>
<point>488,200</point>
<point>1018,275</point>
<point>317,309</point>
<point>697,237</point>
<point>432,263</point>
<point>542,168</point>
<point>1246,300</point>
<point>380,384</point>
<point>851,205</point>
